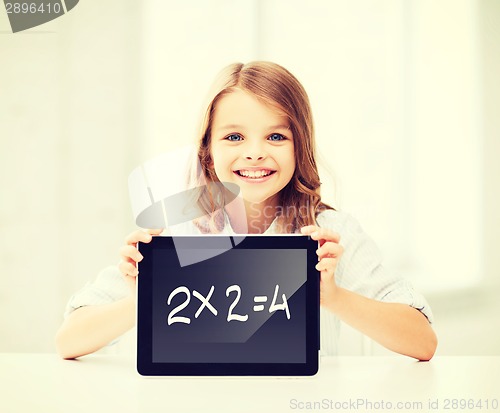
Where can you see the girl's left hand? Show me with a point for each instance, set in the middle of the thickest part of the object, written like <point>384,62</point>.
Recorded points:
<point>329,253</point>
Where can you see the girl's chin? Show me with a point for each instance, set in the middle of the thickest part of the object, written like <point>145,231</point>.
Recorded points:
<point>258,199</point>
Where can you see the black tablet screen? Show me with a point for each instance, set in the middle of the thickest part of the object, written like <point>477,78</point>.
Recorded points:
<point>241,306</point>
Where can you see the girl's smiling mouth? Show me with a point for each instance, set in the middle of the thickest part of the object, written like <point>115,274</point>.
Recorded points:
<point>254,175</point>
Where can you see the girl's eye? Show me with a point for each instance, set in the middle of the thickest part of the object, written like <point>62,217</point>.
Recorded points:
<point>234,137</point>
<point>276,137</point>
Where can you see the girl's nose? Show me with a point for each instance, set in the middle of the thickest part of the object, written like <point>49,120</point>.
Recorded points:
<point>254,157</point>
<point>254,153</point>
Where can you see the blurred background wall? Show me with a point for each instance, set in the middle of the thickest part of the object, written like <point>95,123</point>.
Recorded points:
<point>405,96</point>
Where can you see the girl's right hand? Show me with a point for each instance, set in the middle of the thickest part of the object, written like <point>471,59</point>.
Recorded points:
<point>130,255</point>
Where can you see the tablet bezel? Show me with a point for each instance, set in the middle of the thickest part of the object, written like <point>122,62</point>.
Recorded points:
<point>145,365</point>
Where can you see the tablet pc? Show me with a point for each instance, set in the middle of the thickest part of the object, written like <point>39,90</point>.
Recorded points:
<point>247,305</point>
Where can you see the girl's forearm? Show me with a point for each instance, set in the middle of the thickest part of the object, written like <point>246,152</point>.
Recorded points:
<point>90,328</point>
<point>398,327</point>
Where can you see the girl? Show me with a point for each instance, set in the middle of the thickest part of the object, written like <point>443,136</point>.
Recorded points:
<point>258,133</point>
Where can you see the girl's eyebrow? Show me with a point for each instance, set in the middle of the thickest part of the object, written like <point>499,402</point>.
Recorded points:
<point>230,127</point>
<point>234,126</point>
<point>284,127</point>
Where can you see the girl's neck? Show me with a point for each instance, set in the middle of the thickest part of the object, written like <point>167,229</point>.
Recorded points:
<point>256,219</point>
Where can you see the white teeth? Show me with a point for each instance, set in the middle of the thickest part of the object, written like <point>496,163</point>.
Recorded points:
<point>254,174</point>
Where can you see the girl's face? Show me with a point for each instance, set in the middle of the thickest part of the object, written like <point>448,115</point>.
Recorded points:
<point>252,146</point>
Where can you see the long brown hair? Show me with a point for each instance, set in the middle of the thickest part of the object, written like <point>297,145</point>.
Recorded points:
<point>271,83</point>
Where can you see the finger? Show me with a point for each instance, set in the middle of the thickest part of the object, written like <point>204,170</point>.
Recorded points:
<point>129,260</point>
<point>142,236</point>
<point>324,234</point>
<point>130,252</point>
<point>126,268</point>
<point>309,229</point>
<point>327,264</point>
<point>320,233</point>
<point>137,236</point>
<point>330,249</point>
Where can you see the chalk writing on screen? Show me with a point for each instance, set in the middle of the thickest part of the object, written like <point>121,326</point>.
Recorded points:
<point>232,315</point>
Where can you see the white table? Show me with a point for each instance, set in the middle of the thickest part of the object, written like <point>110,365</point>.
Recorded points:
<point>45,383</point>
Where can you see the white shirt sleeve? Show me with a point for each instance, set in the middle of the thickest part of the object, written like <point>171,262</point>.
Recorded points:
<point>360,268</point>
<point>108,287</point>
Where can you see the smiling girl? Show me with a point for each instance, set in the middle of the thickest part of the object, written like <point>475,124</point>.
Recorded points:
<point>258,133</point>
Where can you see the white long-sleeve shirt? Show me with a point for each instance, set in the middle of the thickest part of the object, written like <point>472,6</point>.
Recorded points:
<point>359,270</point>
